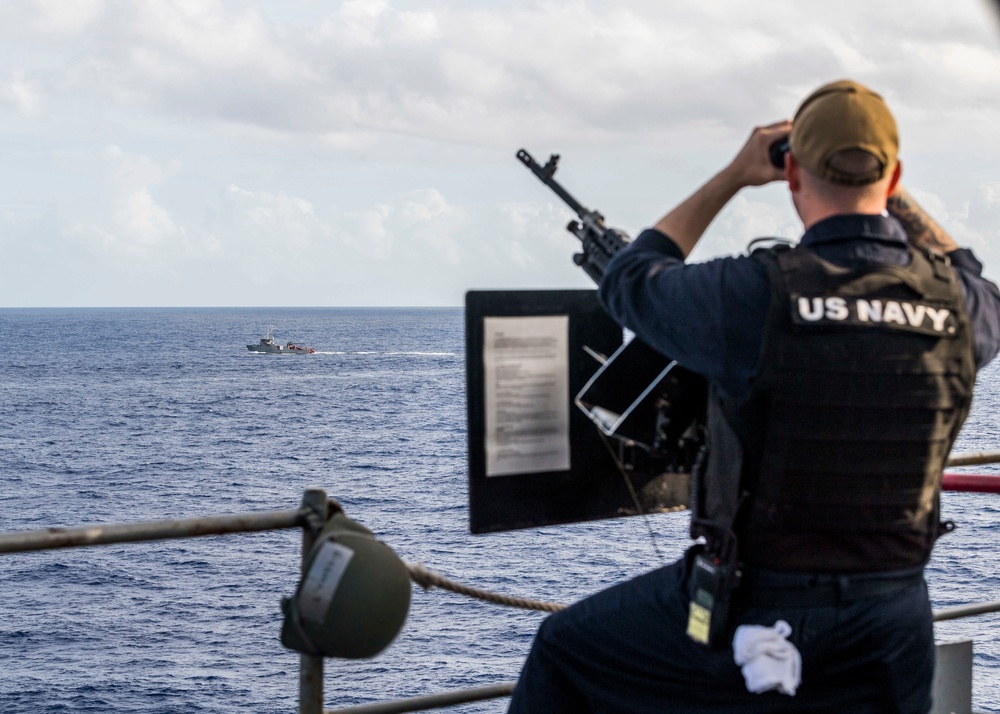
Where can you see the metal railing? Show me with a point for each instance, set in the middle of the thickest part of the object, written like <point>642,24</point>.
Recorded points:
<point>973,458</point>
<point>313,512</point>
<point>431,701</point>
<point>310,516</point>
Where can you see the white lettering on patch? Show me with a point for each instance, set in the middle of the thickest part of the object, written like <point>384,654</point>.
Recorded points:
<point>836,308</point>
<point>907,314</point>
<point>813,313</point>
<point>914,314</point>
<point>893,313</point>
<point>870,311</point>
<point>938,318</point>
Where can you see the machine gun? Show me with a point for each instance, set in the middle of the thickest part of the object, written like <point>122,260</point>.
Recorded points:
<point>600,243</point>
<point>653,407</point>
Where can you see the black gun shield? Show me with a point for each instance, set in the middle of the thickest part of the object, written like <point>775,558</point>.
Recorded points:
<point>593,486</point>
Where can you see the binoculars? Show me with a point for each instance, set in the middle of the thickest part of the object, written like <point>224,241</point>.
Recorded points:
<point>777,152</point>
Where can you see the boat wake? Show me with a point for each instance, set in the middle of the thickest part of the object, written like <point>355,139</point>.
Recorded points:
<point>368,353</point>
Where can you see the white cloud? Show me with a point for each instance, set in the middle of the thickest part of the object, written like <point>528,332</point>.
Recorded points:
<point>60,17</point>
<point>18,93</point>
<point>582,71</point>
<point>366,24</point>
<point>418,233</point>
<point>261,247</point>
<point>134,225</point>
<point>356,145</point>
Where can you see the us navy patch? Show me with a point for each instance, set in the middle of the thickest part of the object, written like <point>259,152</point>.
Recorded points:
<point>909,315</point>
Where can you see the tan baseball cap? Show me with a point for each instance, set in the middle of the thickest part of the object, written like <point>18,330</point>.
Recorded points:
<point>839,116</point>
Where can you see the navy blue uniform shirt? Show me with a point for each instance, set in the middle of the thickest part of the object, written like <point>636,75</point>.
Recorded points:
<point>710,316</point>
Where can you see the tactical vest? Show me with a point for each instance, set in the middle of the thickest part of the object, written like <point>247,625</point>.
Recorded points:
<point>833,461</point>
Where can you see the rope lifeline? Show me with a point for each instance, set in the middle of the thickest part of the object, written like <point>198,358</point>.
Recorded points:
<point>428,579</point>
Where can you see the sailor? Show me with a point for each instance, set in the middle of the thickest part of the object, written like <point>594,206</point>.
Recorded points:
<point>840,373</point>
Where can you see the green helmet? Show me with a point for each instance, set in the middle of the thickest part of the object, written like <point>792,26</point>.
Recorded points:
<point>353,597</point>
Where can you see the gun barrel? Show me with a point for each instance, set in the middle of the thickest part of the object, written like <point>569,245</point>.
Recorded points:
<point>545,173</point>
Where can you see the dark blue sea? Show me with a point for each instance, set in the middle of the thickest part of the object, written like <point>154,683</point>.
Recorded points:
<point>119,415</point>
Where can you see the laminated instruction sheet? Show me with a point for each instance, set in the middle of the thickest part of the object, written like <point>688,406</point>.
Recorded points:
<point>526,385</point>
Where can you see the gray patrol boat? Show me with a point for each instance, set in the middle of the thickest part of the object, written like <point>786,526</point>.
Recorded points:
<point>269,346</point>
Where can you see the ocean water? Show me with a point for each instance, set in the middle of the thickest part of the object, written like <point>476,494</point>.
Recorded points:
<point>111,416</point>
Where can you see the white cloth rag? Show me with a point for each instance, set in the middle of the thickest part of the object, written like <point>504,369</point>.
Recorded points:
<point>769,661</point>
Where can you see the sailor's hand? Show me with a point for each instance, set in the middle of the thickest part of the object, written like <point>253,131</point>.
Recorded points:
<point>752,165</point>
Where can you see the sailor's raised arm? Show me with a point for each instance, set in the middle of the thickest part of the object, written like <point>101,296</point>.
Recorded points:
<point>982,298</point>
<point>921,230</point>
<point>752,166</point>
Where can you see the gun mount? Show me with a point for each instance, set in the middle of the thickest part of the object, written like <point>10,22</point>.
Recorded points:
<point>653,408</point>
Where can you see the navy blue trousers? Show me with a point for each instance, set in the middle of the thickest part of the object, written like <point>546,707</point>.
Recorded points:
<point>626,650</point>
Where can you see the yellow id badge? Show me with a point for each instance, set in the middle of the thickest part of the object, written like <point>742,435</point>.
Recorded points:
<point>698,619</point>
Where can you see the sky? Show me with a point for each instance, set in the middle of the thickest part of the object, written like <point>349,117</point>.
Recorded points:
<point>362,153</point>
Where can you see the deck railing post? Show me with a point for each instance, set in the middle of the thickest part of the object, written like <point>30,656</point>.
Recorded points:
<point>310,667</point>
